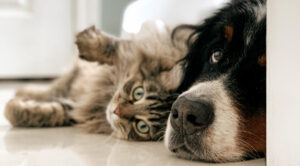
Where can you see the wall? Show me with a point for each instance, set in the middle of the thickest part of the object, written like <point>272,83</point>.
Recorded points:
<point>111,12</point>
<point>283,87</point>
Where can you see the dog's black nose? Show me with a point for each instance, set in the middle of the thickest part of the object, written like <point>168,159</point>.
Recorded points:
<point>191,114</point>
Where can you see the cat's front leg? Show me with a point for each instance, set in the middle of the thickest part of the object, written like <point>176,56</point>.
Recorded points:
<point>94,45</point>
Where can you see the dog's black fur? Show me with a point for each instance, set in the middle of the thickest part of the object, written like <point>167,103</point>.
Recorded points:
<point>237,33</point>
<point>236,53</point>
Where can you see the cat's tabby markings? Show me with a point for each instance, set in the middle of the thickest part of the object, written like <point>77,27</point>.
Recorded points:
<point>128,91</point>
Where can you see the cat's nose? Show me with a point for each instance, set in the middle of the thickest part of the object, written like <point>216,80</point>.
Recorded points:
<point>191,114</point>
<point>117,111</point>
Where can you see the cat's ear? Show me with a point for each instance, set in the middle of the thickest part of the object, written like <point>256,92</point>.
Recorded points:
<point>172,77</point>
<point>182,35</point>
<point>94,45</point>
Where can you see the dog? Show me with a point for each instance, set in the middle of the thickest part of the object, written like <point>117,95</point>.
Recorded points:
<point>220,116</point>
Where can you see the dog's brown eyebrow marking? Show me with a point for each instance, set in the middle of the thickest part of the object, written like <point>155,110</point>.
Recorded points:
<point>228,32</point>
<point>262,60</point>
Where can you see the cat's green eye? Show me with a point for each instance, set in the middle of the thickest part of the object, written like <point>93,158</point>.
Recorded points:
<point>142,127</point>
<point>138,93</point>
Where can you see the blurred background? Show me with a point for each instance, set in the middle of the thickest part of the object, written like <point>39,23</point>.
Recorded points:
<point>37,36</point>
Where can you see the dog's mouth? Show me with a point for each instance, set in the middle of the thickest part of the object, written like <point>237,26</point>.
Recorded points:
<point>186,146</point>
<point>184,152</point>
<point>193,147</point>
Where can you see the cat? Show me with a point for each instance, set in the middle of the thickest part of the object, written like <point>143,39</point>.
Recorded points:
<point>120,86</point>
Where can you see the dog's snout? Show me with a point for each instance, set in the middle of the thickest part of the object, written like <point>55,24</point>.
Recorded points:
<point>190,114</point>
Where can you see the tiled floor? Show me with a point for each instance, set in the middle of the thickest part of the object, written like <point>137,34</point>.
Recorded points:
<point>68,146</point>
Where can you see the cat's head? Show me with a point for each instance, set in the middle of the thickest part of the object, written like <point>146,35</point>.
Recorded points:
<point>148,75</point>
<point>144,94</point>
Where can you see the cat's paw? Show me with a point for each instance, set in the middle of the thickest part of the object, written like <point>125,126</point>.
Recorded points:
<point>32,113</point>
<point>16,112</point>
<point>94,45</point>
<point>88,44</point>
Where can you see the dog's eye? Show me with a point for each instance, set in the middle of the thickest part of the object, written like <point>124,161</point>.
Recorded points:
<point>216,56</point>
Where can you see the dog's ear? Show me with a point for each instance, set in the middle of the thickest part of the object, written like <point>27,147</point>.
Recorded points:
<point>94,45</point>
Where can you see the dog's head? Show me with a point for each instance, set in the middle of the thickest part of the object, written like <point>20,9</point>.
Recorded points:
<point>221,114</point>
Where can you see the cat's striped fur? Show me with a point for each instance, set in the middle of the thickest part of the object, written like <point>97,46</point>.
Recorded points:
<point>88,95</point>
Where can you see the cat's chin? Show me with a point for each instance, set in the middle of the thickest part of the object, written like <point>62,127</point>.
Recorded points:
<point>112,120</point>
<point>110,116</point>
<point>118,135</point>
